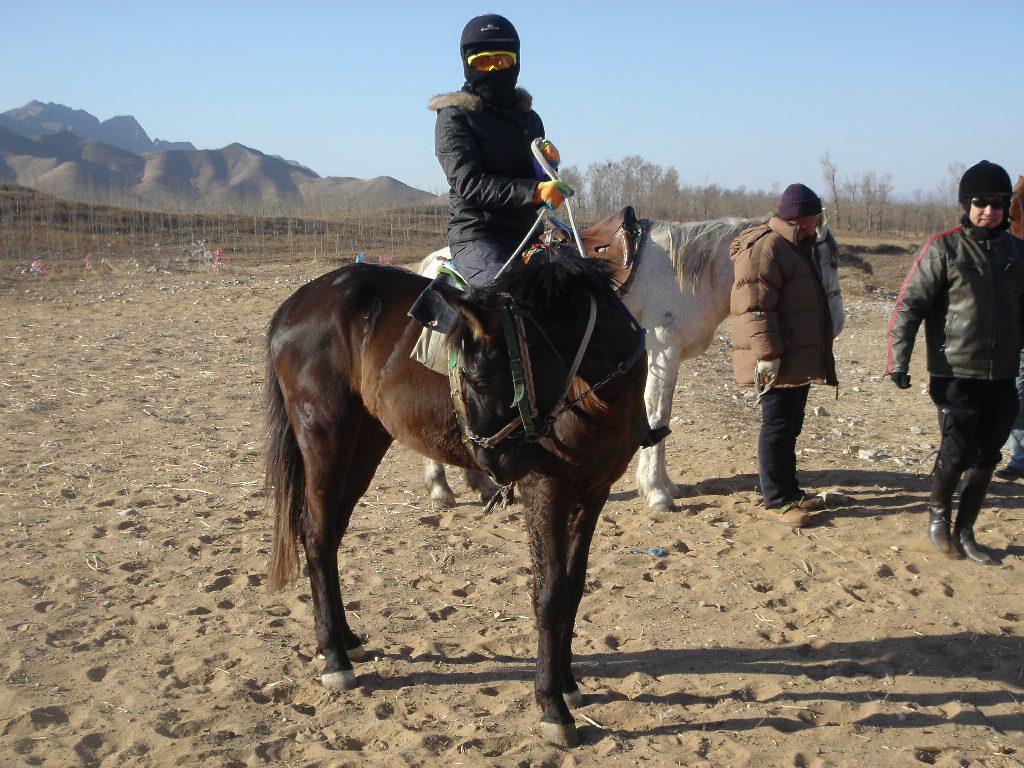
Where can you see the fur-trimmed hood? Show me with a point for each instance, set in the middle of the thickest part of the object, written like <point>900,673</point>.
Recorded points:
<point>474,103</point>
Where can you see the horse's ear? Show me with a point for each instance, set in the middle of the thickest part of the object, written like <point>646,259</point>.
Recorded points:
<point>471,313</point>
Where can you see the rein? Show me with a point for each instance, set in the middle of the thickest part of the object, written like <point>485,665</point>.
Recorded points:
<point>524,395</point>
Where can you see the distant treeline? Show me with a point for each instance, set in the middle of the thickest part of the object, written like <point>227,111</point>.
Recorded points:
<point>35,225</point>
<point>862,204</point>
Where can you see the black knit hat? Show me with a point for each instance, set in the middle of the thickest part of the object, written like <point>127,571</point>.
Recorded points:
<point>985,178</point>
<point>798,201</point>
<point>490,32</point>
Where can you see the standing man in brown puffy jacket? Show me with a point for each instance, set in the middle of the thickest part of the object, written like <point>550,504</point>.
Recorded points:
<point>967,286</point>
<point>782,341</point>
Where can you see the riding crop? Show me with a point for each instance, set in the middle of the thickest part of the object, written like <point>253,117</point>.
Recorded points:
<point>538,155</point>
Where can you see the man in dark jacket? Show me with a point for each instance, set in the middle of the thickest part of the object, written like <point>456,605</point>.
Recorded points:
<point>482,138</point>
<point>782,341</point>
<point>967,286</point>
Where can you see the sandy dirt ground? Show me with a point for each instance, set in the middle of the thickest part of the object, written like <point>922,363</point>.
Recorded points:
<point>138,628</point>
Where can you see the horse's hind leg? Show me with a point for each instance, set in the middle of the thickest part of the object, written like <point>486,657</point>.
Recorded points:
<point>338,471</point>
<point>441,494</point>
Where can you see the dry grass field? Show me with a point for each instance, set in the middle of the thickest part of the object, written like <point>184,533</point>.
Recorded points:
<point>138,628</point>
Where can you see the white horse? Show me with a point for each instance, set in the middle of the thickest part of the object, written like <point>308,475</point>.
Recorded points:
<point>680,294</point>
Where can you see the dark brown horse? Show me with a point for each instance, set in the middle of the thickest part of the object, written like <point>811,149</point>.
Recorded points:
<point>1017,208</point>
<point>342,387</point>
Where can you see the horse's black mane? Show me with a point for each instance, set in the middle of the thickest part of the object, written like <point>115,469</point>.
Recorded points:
<point>545,279</point>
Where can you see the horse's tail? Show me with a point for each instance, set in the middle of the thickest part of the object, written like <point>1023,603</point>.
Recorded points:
<point>284,482</point>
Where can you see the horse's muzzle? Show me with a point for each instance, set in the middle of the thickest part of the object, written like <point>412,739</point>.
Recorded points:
<point>506,467</point>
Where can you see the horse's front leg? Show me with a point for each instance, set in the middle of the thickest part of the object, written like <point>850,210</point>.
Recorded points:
<point>546,528</point>
<point>481,483</point>
<point>652,480</point>
<point>581,528</point>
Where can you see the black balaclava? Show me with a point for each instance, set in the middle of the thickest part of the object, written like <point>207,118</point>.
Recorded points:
<point>985,180</point>
<point>491,32</point>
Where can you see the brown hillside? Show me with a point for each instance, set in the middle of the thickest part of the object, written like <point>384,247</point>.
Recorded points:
<point>234,178</point>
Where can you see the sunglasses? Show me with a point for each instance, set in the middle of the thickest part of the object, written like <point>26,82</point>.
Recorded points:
<point>485,61</point>
<point>984,202</point>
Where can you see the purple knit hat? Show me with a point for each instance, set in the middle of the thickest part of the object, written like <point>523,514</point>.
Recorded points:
<point>798,201</point>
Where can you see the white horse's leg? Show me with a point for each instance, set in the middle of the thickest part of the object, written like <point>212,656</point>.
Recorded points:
<point>441,494</point>
<point>652,479</point>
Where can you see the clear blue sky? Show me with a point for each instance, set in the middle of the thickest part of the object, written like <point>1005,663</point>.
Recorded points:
<point>732,92</point>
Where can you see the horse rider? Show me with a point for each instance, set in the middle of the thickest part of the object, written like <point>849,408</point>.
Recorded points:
<point>482,139</point>
<point>967,286</point>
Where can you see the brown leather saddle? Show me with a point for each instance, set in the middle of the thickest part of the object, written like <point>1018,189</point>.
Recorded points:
<point>616,239</point>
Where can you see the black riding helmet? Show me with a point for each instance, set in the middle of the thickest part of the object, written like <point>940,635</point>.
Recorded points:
<point>491,32</point>
<point>986,180</point>
<point>983,179</point>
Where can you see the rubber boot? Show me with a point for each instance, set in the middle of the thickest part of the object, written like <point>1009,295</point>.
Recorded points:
<point>654,436</point>
<point>972,494</point>
<point>940,507</point>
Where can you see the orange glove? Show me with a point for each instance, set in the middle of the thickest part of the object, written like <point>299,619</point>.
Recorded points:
<point>551,193</point>
<point>550,153</point>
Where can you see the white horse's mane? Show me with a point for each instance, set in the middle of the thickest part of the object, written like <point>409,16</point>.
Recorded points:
<point>692,246</point>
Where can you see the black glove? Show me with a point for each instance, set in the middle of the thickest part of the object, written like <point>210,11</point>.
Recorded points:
<point>901,379</point>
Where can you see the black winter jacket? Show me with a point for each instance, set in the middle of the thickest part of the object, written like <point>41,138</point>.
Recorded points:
<point>969,292</point>
<point>486,157</point>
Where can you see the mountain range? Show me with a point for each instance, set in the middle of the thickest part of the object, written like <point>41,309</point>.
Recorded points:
<point>70,153</point>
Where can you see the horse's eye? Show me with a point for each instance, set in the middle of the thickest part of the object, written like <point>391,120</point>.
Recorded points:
<point>481,374</point>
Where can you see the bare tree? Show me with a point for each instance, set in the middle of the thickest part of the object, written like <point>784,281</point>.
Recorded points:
<point>828,170</point>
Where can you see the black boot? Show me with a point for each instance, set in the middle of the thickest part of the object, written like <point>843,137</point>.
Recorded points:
<point>940,506</point>
<point>654,436</point>
<point>972,494</point>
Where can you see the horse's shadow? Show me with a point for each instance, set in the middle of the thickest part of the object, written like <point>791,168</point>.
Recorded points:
<point>956,657</point>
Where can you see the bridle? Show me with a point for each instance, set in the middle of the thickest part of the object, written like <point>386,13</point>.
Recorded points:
<point>526,425</point>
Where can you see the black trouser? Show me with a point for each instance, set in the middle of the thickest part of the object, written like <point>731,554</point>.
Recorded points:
<point>975,416</point>
<point>782,419</point>
<point>478,261</point>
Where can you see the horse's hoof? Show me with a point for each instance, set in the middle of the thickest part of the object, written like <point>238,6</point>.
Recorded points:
<point>560,734</point>
<point>661,505</point>
<point>358,653</point>
<point>345,680</point>
<point>442,500</point>
<point>575,699</point>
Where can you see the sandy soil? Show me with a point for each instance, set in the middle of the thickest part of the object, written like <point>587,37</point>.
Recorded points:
<point>139,630</point>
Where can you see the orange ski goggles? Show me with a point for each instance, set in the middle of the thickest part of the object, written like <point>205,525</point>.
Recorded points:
<point>485,61</point>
